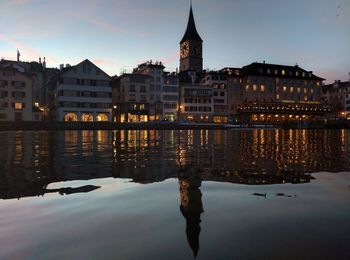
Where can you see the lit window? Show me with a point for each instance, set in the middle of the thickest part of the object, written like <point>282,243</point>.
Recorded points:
<point>283,72</point>
<point>262,88</point>
<point>305,90</point>
<point>247,88</point>
<point>312,91</point>
<point>18,106</point>
<point>277,96</point>
<point>297,73</point>
<point>284,89</point>
<point>299,90</point>
<point>291,89</point>
<point>255,88</point>
<point>305,98</point>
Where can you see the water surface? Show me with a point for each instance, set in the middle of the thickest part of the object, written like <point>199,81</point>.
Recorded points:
<point>228,194</point>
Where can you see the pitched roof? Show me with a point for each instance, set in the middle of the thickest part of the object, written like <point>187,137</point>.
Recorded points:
<point>191,31</point>
<point>283,71</point>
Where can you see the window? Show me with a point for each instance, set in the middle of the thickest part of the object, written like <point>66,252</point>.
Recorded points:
<point>283,72</point>
<point>299,90</point>
<point>255,88</point>
<point>132,97</point>
<point>143,98</point>
<point>143,88</point>
<point>284,89</point>
<point>291,89</point>
<point>262,88</point>
<point>132,88</point>
<point>305,90</point>
<point>18,106</point>
<point>3,94</point>
<point>3,105</point>
<point>18,84</point>
<point>3,83</point>
<point>3,116</point>
<point>18,95</point>
<point>277,96</point>
<point>215,93</point>
<point>247,88</point>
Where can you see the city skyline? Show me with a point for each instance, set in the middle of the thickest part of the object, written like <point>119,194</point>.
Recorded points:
<point>119,35</point>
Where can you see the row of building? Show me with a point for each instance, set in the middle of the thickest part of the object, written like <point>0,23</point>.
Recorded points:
<point>256,93</point>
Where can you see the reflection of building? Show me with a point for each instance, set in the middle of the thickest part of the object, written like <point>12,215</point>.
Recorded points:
<point>191,206</point>
<point>29,161</point>
<point>16,92</point>
<point>81,93</point>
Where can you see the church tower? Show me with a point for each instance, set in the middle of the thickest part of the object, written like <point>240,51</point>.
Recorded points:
<point>191,48</point>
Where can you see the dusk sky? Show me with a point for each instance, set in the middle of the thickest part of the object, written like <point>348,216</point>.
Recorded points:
<point>119,34</point>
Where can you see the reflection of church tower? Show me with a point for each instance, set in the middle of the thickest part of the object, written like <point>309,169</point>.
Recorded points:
<point>191,206</point>
<point>191,48</point>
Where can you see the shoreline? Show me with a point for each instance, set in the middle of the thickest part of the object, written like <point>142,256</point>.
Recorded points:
<point>52,126</point>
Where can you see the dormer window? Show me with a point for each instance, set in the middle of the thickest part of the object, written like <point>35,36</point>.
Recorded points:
<point>283,72</point>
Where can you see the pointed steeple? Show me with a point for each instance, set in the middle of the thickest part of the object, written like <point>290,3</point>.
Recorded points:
<point>191,31</point>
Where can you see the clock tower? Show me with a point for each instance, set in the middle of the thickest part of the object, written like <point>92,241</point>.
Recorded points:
<point>191,48</point>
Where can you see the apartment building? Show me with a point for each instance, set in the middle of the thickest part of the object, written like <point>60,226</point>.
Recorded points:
<point>131,98</point>
<point>81,93</point>
<point>16,95</point>
<point>337,96</point>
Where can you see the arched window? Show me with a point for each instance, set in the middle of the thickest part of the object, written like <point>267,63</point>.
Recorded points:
<point>70,117</point>
<point>87,118</point>
<point>102,118</point>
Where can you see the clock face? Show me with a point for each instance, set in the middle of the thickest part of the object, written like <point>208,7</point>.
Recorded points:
<point>184,50</point>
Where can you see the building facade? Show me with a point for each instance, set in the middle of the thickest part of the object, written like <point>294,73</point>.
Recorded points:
<point>81,93</point>
<point>16,95</point>
<point>337,97</point>
<point>279,94</point>
<point>131,98</point>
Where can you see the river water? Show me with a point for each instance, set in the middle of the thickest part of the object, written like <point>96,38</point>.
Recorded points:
<point>223,194</point>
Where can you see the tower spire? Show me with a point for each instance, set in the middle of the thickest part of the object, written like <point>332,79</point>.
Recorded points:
<point>191,31</point>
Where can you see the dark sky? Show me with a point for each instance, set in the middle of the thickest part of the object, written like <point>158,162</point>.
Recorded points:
<point>119,34</point>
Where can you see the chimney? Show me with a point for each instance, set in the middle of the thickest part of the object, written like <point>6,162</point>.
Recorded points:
<point>39,60</point>
<point>44,63</point>
<point>61,66</point>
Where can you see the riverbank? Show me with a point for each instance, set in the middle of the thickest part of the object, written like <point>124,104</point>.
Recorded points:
<point>50,126</point>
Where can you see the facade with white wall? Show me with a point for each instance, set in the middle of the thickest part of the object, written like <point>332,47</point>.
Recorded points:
<point>81,93</point>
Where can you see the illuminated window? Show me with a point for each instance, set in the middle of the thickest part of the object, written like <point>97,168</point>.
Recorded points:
<point>297,73</point>
<point>268,71</point>
<point>305,98</point>
<point>312,91</point>
<point>318,83</point>
<point>18,106</point>
<point>277,96</point>
<point>262,88</point>
<point>299,90</point>
<point>291,89</point>
<point>247,88</point>
<point>284,89</point>
<point>305,90</point>
<point>283,72</point>
<point>255,88</point>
